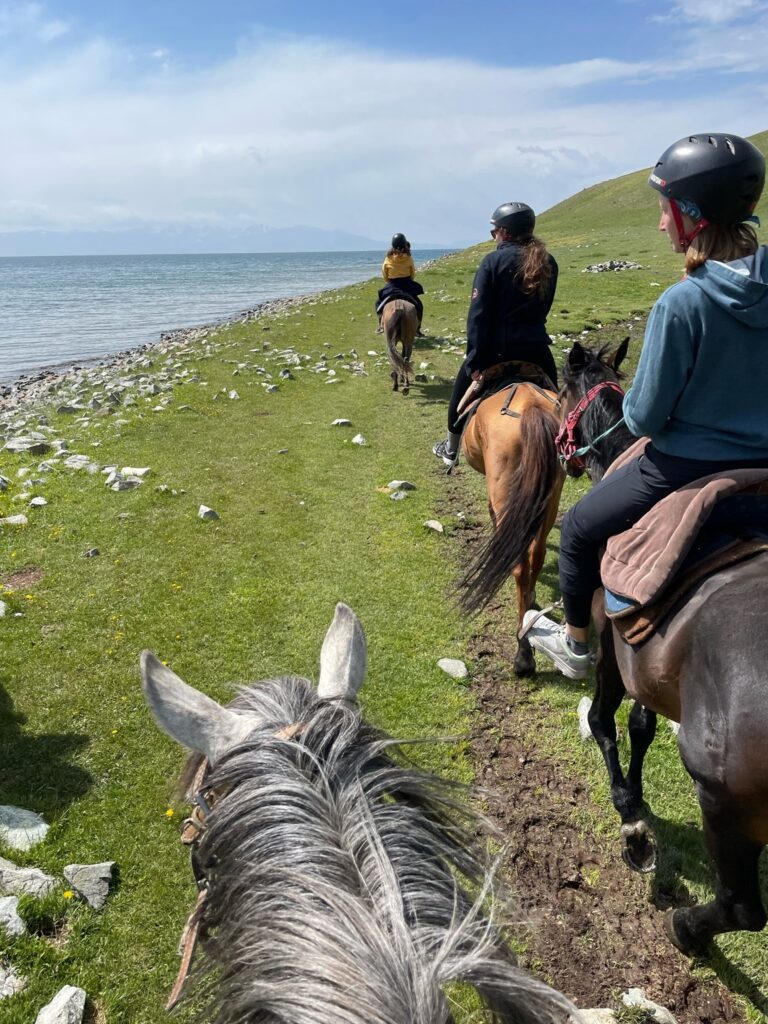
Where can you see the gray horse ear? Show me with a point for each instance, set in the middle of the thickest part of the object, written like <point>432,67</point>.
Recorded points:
<point>188,716</point>
<point>343,658</point>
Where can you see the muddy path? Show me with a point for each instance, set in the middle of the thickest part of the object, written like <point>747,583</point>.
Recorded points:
<point>594,931</point>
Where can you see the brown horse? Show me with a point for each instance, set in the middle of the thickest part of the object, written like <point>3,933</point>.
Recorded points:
<point>400,322</point>
<point>512,442</point>
<point>706,669</point>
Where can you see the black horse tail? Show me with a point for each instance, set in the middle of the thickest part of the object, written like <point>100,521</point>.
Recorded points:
<point>398,364</point>
<point>530,491</point>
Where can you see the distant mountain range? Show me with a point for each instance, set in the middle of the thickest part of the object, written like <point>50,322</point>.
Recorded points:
<point>182,239</point>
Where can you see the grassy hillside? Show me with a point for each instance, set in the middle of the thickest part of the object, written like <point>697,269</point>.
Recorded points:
<point>303,524</point>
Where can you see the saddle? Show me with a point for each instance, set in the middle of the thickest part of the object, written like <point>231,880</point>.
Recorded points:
<point>693,533</point>
<point>397,295</point>
<point>499,377</point>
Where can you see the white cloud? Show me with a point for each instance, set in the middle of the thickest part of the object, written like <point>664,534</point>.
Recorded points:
<point>717,12</point>
<point>310,132</point>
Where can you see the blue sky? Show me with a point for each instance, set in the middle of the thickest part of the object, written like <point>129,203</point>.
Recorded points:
<point>163,117</point>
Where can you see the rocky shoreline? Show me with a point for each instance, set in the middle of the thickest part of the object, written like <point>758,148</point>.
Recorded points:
<point>43,384</point>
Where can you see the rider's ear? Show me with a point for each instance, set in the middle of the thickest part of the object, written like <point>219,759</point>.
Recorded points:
<point>577,357</point>
<point>620,354</point>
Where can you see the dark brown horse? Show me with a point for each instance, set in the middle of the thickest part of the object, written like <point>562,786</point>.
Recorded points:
<point>515,450</point>
<point>706,669</point>
<point>400,322</point>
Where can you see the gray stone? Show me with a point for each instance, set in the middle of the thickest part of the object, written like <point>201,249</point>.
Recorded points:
<point>66,1007</point>
<point>139,472</point>
<point>5,483</point>
<point>455,668</point>
<point>597,1016</point>
<point>21,829</point>
<point>401,485</point>
<point>583,711</point>
<point>271,389</point>
<point>674,726</point>
<point>359,439</point>
<point>14,521</point>
<point>38,503</point>
<point>10,981</point>
<point>637,997</point>
<point>91,553</point>
<point>27,444</point>
<point>398,496</point>
<point>10,921</point>
<point>207,513</point>
<point>3,609</point>
<point>433,524</point>
<point>420,378</point>
<point>15,880</point>
<point>233,395</point>
<point>287,375</point>
<point>91,881</point>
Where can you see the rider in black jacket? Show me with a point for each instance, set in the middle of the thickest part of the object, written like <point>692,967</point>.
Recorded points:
<point>513,291</point>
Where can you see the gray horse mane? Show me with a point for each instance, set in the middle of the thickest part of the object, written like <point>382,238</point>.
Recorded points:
<point>346,886</point>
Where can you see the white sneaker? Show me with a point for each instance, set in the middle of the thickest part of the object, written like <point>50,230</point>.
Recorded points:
<point>442,451</point>
<point>549,637</point>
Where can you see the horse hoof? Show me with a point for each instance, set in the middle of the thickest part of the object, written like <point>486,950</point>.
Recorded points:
<point>406,389</point>
<point>638,847</point>
<point>688,946</point>
<point>525,667</point>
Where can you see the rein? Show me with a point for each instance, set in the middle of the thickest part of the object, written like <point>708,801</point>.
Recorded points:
<point>566,444</point>
<point>205,800</point>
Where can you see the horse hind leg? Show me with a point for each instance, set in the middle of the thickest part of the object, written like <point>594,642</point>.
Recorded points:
<point>737,905</point>
<point>395,378</point>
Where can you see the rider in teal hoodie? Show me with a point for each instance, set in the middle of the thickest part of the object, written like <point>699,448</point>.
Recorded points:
<point>699,391</point>
<point>696,390</point>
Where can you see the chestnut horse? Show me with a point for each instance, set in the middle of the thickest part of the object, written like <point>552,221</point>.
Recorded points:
<point>400,322</point>
<point>512,442</point>
<point>706,669</point>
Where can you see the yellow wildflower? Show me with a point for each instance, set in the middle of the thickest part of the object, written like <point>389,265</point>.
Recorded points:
<point>68,894</point>
<point>170,812</point>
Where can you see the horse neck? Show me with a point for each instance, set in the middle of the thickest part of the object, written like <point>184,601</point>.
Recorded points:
<point>604,415</point>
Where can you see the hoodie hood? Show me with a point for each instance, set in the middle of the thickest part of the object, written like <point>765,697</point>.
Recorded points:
<point>739,288</point>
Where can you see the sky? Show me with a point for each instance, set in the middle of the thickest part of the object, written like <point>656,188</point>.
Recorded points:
<point>221,120</point>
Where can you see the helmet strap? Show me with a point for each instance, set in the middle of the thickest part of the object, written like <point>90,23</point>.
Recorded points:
<point>686,239</point>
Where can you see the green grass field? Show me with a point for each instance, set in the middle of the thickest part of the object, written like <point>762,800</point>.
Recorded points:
<point>252,594</point>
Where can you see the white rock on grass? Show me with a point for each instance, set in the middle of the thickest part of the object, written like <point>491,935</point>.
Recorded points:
<point>455,668</point>
<point>10,981</point>
<point>233,396</point>
<point>674,726</point>
<point>91,881</point>
<point>359,439</point>
<point>398,496</point>
<point>66,1007</point>
<point>401,485</point>
<point>636,997</point>
<point>21,829</point>
<point>10,922</point>
<point>433,524</point>
<point>14,521</point>
<point>583,712</point>
<point>38,503</point>
<point>207,513</point>
<point>336,423</point>
<point>597,1016</point>
<point>14,881</point>
<point>138,471</point>
<point>3,609</point>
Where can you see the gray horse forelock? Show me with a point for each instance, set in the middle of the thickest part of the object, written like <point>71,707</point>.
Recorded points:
<point>346,886</point>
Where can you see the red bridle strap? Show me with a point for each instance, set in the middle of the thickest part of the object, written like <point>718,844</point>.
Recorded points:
<point>567,447</point>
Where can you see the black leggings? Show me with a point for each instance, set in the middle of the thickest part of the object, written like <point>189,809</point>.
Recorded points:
<point>611,507</point>
<point>541,355</point>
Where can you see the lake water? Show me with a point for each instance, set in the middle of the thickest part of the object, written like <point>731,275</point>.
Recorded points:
<point>56,310</point>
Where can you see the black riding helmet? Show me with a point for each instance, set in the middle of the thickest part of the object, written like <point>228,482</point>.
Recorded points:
<point>516,218</point>
<point>399,241</point>
<point>722,176</point>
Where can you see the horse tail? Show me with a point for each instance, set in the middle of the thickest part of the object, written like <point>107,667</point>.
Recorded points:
<point>531,487</point>
<point>395,327</point>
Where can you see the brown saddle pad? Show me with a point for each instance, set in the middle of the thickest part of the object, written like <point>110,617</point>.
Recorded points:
<point>504,375</point>
<point>635,628</point>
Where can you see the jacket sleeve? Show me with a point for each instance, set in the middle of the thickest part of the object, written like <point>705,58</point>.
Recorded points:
<point>479,316</point>
<point>385,269</point>
<point>550,298</point>
<point>662,373</point>
<point>411,267</point>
